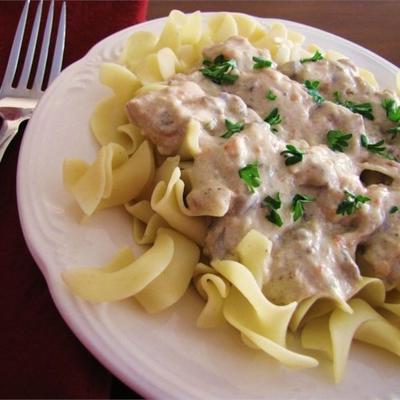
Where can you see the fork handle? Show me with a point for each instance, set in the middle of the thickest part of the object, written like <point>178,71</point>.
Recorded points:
<point>5,143</point>
<point>8,131</point>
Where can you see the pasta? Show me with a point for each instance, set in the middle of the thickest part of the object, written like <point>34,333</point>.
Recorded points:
<point>154,184</point>
<point>167,201</point>
<point>145,222</point>
<point>364,323</point>
<point>106,182</point>
<point>171,257</point>
<point>214,289</point>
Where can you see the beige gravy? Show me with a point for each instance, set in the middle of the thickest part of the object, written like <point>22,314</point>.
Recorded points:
<point>316,254</point>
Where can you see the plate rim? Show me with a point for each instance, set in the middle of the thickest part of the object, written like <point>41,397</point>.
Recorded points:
<point>140,382</point>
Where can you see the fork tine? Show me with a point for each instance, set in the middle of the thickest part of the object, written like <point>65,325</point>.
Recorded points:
<point>15,50</point>
<point>59,49</point>
<point>23,80</point>
<point>37,83</point>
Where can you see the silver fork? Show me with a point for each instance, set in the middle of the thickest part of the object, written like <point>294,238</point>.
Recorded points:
<point>17,103</point>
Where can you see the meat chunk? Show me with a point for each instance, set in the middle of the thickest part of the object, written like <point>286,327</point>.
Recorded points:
<point>380,254</point>
<point>342,77</point>
<point>163,115</point>
<point>309,260</point>
<point>329,116</point>
<point>218,194</point>
<point>292,99</point>
<point>325,168</point>
<point>239,49</point>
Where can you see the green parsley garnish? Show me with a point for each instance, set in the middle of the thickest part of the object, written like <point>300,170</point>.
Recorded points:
<point>376,148</point>
<point>351,203</point>
<point>275,218</point>
<point>270,95</point>
<point>312,89</point>
<point>392,111</point>
<point>394,209</point>
<point>261,63</point>
<point>316,57</point>
<point>394,131</point>
<point>273,118</point>
<point>364,109</point>
<point>292,155</point>
<point>232,128</point>
<point>220,71</point>
<point>251,176</point>
<point>338,140</point>
<point>298,205</point>
<point>274,203</point>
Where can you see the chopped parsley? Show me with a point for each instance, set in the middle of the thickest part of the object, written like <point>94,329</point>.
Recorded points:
<point>312,89</point>
<point>232,128</point>
<point>250,175</point>
<point>338,140</point>
<point>273,118</point>
<point>275,218</point>
<point>270,95</point>
<point>220,71</point>
<point>376,148</point>
<point>274,203</point>
<point>394,209</point>
<point>351,203</point>
<point>316,57</point>
<point>364,109</point>
<point>260,63</point>
<point>298,205</point>
<point>292,155</point>
<point>392,110</point>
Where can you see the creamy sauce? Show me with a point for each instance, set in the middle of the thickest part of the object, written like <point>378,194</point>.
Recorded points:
<point>315,255</point>
<point>342,77</point>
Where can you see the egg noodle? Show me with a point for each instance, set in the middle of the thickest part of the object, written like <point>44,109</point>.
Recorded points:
<point>128,171</point>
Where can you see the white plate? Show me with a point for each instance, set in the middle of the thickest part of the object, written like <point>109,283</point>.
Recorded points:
<point>163,356</point>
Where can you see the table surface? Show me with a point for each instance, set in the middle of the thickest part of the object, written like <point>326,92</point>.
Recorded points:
<point>370,23</point>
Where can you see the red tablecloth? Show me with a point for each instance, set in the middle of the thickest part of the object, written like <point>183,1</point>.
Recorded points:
<point>39,355</point>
